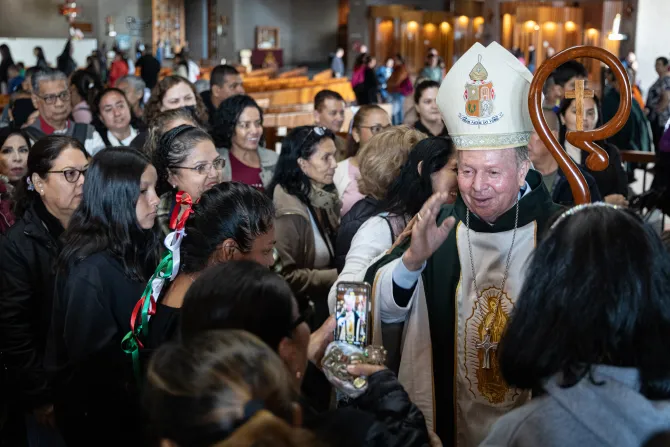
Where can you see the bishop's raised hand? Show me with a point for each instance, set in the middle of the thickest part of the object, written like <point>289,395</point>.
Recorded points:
<point>427,236</point>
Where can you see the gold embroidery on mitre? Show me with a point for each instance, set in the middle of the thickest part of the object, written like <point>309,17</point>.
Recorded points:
<point>487,324</point>
<point>479,73</point>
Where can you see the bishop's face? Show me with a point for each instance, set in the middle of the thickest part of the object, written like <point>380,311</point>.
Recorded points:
<point>489,181</point>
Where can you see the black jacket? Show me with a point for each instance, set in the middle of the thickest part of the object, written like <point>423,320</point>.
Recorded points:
<point>349,225</point>
<point>382,417</point>
<point>366,92</point>
<point>95,393</point>
<point>562,194</point>
<point>613,180</point>
<point>28,253</point>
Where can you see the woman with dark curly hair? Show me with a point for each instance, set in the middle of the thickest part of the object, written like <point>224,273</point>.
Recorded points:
<point>238,134</point>
<point>175,92</point>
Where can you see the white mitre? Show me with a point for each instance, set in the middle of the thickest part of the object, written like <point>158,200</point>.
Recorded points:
<point>484,100</point>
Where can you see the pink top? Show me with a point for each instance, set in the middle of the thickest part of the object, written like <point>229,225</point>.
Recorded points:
<point>81,113</point>
<point>351,194</point>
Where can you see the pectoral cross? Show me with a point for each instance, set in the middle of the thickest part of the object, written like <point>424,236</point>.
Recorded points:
<point>579,93</point>
<point>487,346</point>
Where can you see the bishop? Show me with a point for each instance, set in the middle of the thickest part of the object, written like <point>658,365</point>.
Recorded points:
<point>455,283</point>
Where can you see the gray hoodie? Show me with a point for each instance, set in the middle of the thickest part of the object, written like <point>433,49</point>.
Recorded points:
<point>611,414</point>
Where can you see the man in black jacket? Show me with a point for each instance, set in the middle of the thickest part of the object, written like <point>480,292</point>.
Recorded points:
<point>224,82</point>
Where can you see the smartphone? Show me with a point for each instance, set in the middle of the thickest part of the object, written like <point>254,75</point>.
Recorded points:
<point>352,311</point>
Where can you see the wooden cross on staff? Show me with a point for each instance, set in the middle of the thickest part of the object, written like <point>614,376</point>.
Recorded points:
<point>597,159</point>
<point>579,93</point>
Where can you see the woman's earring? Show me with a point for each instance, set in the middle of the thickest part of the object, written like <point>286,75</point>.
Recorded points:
<point>298,375</point>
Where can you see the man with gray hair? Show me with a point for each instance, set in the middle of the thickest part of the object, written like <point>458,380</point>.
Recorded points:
<point>454,285</point>
<point>134,89</point>
<point>51,98</point>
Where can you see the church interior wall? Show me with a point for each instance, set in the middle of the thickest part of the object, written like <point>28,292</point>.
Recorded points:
<point>652,38</point>
<point>252,13</point>
<point>40,19</point>
<point>196,28</point>
<point>314,30</point>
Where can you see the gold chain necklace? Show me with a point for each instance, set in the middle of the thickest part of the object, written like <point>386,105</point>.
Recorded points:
<point>487,344</point>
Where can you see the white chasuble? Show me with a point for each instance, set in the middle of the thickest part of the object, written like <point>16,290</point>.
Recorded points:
<point>482,396</point>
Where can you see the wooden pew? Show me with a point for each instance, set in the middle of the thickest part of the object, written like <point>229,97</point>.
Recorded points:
<point>640,157</point>
<point>275,84</point>
<point>300,71</point>
<point>323,75</point>
<point>306,118</point>
<point>260,72</point>
<point>305,94</point>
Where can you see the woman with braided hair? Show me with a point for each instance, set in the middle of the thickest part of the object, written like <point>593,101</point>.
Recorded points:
<point>232,221</point>
<point>188,165</point>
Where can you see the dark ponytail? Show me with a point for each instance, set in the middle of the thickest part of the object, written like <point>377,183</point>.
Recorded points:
<point>87,84</point>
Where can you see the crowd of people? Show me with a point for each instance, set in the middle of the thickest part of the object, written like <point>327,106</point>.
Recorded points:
<point>166,279</point>
<point>391,82</point>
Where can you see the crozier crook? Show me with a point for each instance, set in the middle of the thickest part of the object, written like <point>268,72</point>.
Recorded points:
<point>597,159</point>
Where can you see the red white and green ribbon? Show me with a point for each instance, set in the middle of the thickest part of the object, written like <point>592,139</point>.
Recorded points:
<point>167,269</point>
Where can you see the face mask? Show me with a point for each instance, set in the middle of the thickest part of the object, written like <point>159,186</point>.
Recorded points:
<point>191,110</point>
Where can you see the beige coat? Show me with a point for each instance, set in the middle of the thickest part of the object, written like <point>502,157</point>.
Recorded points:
<point>295,244</point>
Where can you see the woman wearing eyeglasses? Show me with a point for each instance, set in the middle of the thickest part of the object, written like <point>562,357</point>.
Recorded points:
<point>46,198</point>
<point>109,249</point>
<point>238,134</point>
<point>368,121</point>
<point>186,161</point>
